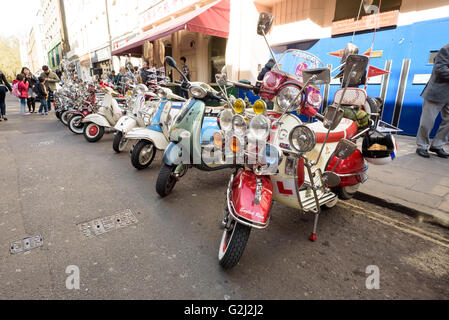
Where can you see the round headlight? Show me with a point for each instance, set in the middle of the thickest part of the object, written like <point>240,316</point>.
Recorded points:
<point>218,139</point>
<point>162,93</point>
<point>286,98</point>
<point>198,92</point>
<point>270,155</point>
<point>226,119</point>
<point>239,106</point>
<point>260,127</point>
<point>259,107</point>
<point>239,125</point>
<point>302,139</point>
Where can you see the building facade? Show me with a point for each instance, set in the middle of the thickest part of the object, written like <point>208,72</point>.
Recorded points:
<point>52,30</point>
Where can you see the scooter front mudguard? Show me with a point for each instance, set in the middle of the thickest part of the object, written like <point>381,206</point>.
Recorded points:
<point>351,171</point>
<point>97,119</point>
<point>157,138</point>
<point>125,124</point>
<point>172,155</point>
<point>250,198</point>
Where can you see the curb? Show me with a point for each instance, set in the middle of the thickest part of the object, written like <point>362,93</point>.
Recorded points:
<point>417,214</point>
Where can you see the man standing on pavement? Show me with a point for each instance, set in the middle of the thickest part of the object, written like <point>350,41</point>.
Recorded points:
<point>436,100</point>
<point>52,80</point>
<point>186,72</point>
<point>144,72</point>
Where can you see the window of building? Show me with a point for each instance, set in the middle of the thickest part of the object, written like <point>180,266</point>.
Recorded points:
<point>432,56</point>
<point>348,9</point>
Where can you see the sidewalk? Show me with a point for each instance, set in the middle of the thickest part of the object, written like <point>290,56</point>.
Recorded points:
<point>415,183</point>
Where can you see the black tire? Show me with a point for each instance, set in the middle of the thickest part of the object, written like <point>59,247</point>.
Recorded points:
<point>89,135</point>
<point>230,255</point>
<point>58,114</point>
<point>119,144</point>
<point>64,117</point>
<point>75,124</point>
<point>347,193</point>
<point>373,108</point>
<point>165,181</point>
<point>142,161</point>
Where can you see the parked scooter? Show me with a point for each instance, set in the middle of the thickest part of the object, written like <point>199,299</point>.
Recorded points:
<point>191,132</point>
<point>76,116</point>
<point>299,165</point>
<point>106,117</point>
<point>158,120</point>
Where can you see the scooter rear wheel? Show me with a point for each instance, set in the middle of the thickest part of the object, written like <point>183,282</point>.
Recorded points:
<point>347,193</point>
<point>64,117</point>
<point>233,244</point>
<point>166,180</point>
<point>75,124</point>
<point>120,143</point>
<point>143,154</point>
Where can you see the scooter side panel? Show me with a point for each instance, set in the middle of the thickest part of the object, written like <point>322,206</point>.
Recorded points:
<point>157,138</point>
<point>353,165</point>
<point>97,119</point>
<point>243,195</point>
<point>171,154</point>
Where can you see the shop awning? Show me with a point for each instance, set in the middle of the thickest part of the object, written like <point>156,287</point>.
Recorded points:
<point>212,19</point>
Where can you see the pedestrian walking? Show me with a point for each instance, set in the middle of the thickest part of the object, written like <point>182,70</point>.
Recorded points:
<point>32,80</point>
<point>42,95</point>
<point>20,90</point>
<point>436,100</point>
<point>186,72</point>
<point>4,87</point>
<point>52,80</point>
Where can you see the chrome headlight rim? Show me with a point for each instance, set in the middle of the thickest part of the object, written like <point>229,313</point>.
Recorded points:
<point>226,118</point>
<point>285,102</point>
<point>252,128</point>
<point>239,125</point>
<point>309,136</point>
<point>197,92</point>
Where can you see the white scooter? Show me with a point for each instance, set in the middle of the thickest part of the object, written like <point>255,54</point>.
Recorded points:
<point>106,117</point>
<point>155,136</point>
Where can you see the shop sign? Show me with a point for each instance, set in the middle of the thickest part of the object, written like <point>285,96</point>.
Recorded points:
<point>372,21</point>
<point>121,43</point>
<point>163,9</point>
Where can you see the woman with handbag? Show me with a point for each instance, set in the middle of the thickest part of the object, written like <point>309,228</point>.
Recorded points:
<point>31,80</point>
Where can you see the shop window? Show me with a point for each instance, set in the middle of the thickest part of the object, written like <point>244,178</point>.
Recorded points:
<point>217,56</point>
<point>432,56</point>
<point>348,9</point>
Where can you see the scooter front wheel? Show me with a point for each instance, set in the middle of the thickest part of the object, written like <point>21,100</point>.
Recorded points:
<point>143,154</point>
<point>93,132</point>
<point>75,124</point>
<point>233,244</point>
<point>120,143</point>
<point>166,180</point>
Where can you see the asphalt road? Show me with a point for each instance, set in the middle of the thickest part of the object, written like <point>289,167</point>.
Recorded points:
<point>52,180</point>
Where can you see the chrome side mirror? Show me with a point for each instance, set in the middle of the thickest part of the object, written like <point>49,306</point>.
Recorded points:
<point>355,68</point>
<point>345,149</point>
<point>331,179</point>
<point>317,76</point>
<point>221,79</point>
<point>171,62</point>
<point>333,117</point>
<point>264,24</point>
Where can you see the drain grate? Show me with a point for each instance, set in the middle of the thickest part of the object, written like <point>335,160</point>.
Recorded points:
<point>101,226</point>
<point>26,244</point>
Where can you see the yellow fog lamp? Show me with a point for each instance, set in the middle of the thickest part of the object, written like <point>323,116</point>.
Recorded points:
<point>239,106</point>
<point>218,139</point>
<point>259,107</point>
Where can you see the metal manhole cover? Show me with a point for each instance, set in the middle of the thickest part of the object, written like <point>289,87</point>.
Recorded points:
<point>26,244</point>
<point>100,226</point>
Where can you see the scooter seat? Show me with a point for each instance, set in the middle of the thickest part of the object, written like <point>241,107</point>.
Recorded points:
<point>347,129</point>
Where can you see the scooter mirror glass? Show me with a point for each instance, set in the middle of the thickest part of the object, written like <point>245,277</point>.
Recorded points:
<point>265,22</point>
<point>317,76</point>
<point>331,179</point>
<point>221,79</point>
<point>333,117</point>
<point>355,69</point>
<point>170,61</point>
<point>345,149</point>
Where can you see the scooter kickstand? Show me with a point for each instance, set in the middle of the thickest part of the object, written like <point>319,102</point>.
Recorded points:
<point>313,236</point>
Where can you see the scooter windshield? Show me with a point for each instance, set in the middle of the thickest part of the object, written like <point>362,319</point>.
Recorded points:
<point>292,62</point>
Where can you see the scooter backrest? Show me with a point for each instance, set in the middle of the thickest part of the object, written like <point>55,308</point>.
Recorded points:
<point>353,97</point>
<point>107,100</point>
